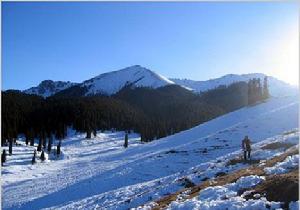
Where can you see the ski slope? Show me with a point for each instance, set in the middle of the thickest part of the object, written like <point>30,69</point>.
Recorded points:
<point>100,173</point>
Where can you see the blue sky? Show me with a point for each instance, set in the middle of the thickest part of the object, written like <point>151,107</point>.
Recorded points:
<point>79,40</point>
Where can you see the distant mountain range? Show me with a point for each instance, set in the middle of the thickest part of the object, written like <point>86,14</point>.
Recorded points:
<point>276,87</point>
<point>138,76</point>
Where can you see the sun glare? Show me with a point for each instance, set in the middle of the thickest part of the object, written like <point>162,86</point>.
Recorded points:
<point>286,66</point>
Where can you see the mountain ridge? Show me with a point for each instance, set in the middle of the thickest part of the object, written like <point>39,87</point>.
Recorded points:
<point>110,83</point>
<point>47,88</point>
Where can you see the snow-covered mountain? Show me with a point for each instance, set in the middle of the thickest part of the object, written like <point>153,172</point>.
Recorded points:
<point>48,87</point>
<point>276,87</point>
<point>137,76</point>
<point>111,82</point>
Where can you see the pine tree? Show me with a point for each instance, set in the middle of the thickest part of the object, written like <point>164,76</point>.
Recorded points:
<point>58,148</point>
<point>26,140</point>
<point>31,137</point>
<point>31,141</point>
<point>94,132</point>
<point>10,146</point>
<point>255,91</point>
<point>126,140</point>
<point>259,90</point>
<point>44,141</point>
<point>49,143</point>
<point>88,134</point>
<point>3,157</point>
<point>33,158</point>
<point>43,156</point>
<point>266,93</point>
<point>250,90</point>
<point>39,148</point>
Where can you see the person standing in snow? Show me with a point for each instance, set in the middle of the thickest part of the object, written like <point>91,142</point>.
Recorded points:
<point>246,145</point>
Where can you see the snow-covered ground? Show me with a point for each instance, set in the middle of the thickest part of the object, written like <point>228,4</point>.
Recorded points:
<point>227,197</point>
<point>283,167</point>
<point>100,173</point>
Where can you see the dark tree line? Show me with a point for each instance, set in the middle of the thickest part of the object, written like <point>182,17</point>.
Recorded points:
<point>257,91</point>
<point>169,109</point>
<point>154,113</point>
<point>42,119</point>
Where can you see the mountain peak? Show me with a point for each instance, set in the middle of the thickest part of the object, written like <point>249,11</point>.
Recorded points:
<point>136,75</point>
<point>49,87</point>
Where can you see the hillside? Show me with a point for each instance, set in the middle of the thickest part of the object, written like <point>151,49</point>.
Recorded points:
<point>100,173</point>
<point>256,184</point>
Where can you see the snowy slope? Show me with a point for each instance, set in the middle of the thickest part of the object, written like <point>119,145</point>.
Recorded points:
<point>100,173</point>
<point>233,194</point>
<point>111,82</point>
<point>276,87</point>
<point>141,193</point>
<point>48,87</point>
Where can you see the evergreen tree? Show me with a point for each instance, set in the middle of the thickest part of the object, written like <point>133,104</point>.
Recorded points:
<point>43,156</point>
<point>31,137</point>
<point>255,91</point>
<point>33,158</point>
<point>3,157</point>
<point>88,133</point>
<point>10,146</point>
<point>258,90</point>
<point>39,148</point>
<point>26,140</point>
<point>126,140</point>
<point>94,132</point>
<point>49,143</point>
<point>266,93</point>
<point>31,141</point>
<point>58,148</point>
<point>44,140</point>
<point>250,92</point>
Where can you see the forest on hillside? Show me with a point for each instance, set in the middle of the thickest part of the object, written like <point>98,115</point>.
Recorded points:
<point>154,113</point>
